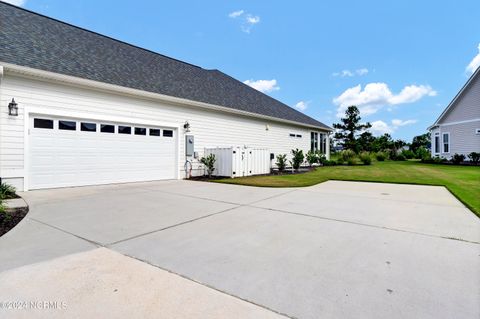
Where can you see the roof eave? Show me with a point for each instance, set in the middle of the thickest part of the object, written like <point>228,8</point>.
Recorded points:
<point>62,78</point>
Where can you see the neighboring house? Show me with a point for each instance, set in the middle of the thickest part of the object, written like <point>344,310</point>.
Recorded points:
<point>95,110</point>
<point>457,130</point>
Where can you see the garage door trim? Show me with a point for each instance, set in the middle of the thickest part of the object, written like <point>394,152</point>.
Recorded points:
<point>39,111</point>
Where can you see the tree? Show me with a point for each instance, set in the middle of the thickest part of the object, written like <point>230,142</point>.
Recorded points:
<point>349,127</point>
<point>382,143</point>
<point>365,141</point>
<point>420,141</point>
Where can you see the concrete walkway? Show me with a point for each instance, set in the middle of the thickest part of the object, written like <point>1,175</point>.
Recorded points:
<point>179,249</point>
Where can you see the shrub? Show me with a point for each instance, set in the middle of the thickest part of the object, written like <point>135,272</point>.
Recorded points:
<point>297,158</point>
<point>329,163</point>
<point>381,156</point>
<point>320,157</point>
<point>312,157</point>
<point>347,156</point>
<point>422,152</point>
<point>427,158</point>
<point>400,157</point>
<point>458,158</point>
<point>474,157</point>
<point>281,162</point>
<point>408,154</point>
<point>7,191</point>
<point>209,162</point>
<point>365,158</point>
<point>351,161</point>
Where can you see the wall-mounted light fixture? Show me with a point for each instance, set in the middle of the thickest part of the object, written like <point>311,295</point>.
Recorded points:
<point>13,108</point>
<point>186,126</point>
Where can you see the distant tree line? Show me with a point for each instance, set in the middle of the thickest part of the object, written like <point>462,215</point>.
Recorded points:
<point>352,134</point>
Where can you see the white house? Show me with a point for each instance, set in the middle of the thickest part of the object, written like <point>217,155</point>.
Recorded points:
<point>457,129</point>
<point>95,110</point>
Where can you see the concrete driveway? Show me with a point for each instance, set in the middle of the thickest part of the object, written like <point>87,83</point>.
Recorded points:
<point>180,249</point>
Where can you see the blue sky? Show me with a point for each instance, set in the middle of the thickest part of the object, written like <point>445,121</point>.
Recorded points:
<point>400,61</point>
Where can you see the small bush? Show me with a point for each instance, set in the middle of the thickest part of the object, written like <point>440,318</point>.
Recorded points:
<point>312,157</point>
<point>347,156</point>
<point>209,162</point>
<point>474,157</point>
<point>408,154</point>
<point>297,158</point>
<point>281,162</point>
<point>381,156</point>
<point>427,158</point>
<point>400,157</point>
<point>351,161</point>
<point>422,152</point>
<point>330,163</point>
<point>458,158</point>
<point>365,158</point>
<point>6,191</point>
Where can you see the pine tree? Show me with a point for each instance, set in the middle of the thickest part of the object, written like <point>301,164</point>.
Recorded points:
<point>349,127</point>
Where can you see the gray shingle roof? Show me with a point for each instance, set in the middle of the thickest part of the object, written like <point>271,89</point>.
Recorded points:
<point>32,40</point>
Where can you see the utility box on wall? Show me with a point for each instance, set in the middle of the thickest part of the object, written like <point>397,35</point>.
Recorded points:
<point>240,161</point>
<point>189,145</point>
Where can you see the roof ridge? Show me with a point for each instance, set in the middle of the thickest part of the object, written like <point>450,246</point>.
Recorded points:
<point>98,34</point>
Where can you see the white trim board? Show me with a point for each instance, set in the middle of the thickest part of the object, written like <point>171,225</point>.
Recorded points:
<point>100,86</point>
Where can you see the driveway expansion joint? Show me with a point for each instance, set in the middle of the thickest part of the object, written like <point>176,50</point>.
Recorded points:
<point>206,285</point>
<point>365,225</point>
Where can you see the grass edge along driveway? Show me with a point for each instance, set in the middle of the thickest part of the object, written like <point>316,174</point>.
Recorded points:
<point>462,181</point>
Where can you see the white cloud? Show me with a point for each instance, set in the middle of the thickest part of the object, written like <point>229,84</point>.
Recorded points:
<point>380,127</point>
<point>247,20</point>
<point>19,3</point>
<point>302,105</point>
<point>264,86</point>
<point>398,123</point>
<point>374,96</point>
<point>362,71</point>
<point>348,73</point>
<point>236,14</point>
<point>475,63</point>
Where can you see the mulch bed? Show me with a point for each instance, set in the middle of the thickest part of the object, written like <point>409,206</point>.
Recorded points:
<point>11,217</point>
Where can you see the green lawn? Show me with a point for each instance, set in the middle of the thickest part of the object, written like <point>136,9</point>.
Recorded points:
<point>462,181</point>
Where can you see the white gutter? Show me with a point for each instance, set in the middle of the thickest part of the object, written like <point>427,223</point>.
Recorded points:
<point>46,75</point>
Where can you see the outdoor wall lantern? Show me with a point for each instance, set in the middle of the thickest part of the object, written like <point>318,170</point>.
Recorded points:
<point>186,126</point>
<point>13,108</point>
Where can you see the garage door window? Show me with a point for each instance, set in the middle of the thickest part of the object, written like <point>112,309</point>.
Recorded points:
<point>140,131</point>
<point>107,128</point>
<point>154,132</point>
<point>124,130</point>
<point>88,127</point>
<point>67,125</point>
<point>168,133</point>
<point>43,123</point>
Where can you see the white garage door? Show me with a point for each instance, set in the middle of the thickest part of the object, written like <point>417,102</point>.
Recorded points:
<point>69,152</point>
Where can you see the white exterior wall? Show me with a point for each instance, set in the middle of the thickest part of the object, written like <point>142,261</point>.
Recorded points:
<point>463,138</point>
<point>210,128</point>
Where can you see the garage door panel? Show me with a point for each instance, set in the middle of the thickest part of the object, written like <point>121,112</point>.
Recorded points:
<point>59,158</point>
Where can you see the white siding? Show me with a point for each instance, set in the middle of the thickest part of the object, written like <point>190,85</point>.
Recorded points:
<point>463,138</point>
<point>467,107</point>
<point>211,129</point>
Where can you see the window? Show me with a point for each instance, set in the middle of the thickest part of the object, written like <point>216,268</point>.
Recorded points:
<point>43,123</point>
<point>107,128</point>
<point>140,131</point>
<point>299,136</point>
<point>313,141</point>
<point>292,135</point>
<point>67,125</point>
<point>477,131</point>
<point>446,142</point>
<point>124,129</point>
<point>437,143</point>
<point>168,133</point>
<point>295,135</point>
<point>88,127</point>
<point>154,132</point>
